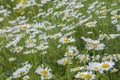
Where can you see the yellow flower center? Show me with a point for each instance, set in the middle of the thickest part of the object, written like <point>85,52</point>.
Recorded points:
<point>24,27</point>
<point>61,24</point>
<point>107,58</point>
<point>25,78</point>
<point>44,72</point>
<point>84,57</point>
<point>65,62</point>
<point>42,46</point>
<point>37,26</point>
<point>116,16</point>
<point>57,35</point>
<point>46,76</point>
<point>104,10</point>
<point>88,76</point>
<point>66,40</point>
<point>27,67</point>
<point>69,53</point>
<point>22,72</point>
<point>105,65</point>
<point>77,68</point>
<point>91,23</point>
<point>96,67</point>
<point>23,1</point>
<point>30,41</point>
<point>8,78</point>
<point>31,31</point>
<point>95,45</point>
<point>103,35</point>
<point>17,49</point>
<point>82,75</point>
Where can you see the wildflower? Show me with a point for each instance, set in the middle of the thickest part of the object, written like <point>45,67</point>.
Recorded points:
<point>116,17</point>
<point>42,47</point>
<point>66,40</point>
<point>12,59</point>
<point>1,19</point>
<point>114,70</point>
<point>9,78</point>
<point>102,36</point>
<point>113,12</point>
<point>58,35</point>
<point>93,44</point>
<point>80,75</point>
<point>94,66</point>
<point>85,75</point>
<point>64,61</point>
<point>105,66</point>
<point>26,77</point>
<point>23,1</point>
<point>18,49</point>
<point>72,51</point>
<point>112,36</point>
<point>107,58</point>
<point>27,66</point>
<point>44,1</point>
<point>114,22</point>
<point>95,58</point>
<point>30,43</point>
<point>118,27</point>
<point>24,27</point>
<point>21,71</point>
<point>44,72</point>
<point>76,69</point>
<point>116,57</point>
<point>83,58</point>
<point>91,24</point>
<point>103,10</point>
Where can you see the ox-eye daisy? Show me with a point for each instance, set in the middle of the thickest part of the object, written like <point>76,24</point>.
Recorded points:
<point>66,40</point>
<point>85,75</point>
<point>64,61</point>
<point>105,66</point>
<point>91,24</point>
<point>44,72</point>
<point>94,66</point>
<point>93,44</point>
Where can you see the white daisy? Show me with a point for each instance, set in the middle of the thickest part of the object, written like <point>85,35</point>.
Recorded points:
<point>93,44</point>
<point>44,72</point>
<point>105,66</point>
<point>64,61</point>
<point>91,24</point>
<point>66,40</point>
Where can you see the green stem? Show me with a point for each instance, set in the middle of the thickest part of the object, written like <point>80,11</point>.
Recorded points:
<point>94,55</point>
<point>68,69</point>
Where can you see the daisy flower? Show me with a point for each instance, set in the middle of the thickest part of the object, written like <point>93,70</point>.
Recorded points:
<point>107,58</point>
<point>18,49</point>
<point>94,66</point>
<point>105,66</point>
<point>26,77</point>
<point>44,72</point>
<point>93,44</point>
<point>83,58</point>
<point>12,59</point>
<point>76,69</point>
<point>85,75</point>
<point>64,61</point>
<point>91,24</point>
<point>66,40</point>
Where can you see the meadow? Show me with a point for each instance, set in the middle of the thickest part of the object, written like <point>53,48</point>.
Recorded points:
<point>59,39</point>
